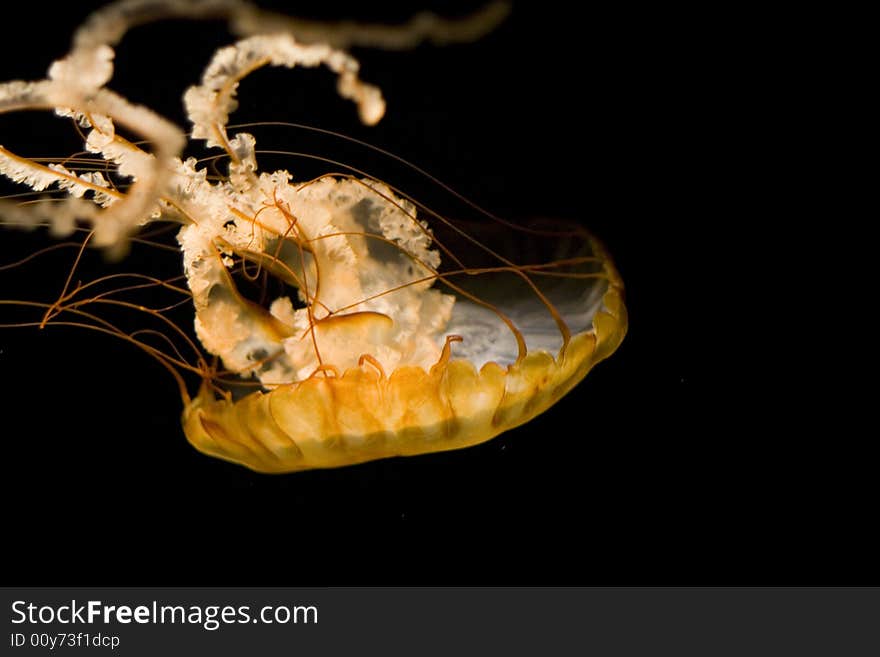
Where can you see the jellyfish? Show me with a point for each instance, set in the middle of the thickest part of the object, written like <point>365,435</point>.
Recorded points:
<point>379,337</point>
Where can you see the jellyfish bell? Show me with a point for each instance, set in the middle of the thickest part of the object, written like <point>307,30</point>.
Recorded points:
<point>396,332</point>
<point>461,376</point>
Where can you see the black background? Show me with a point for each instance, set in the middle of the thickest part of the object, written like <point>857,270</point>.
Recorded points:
<point>677,461</point>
